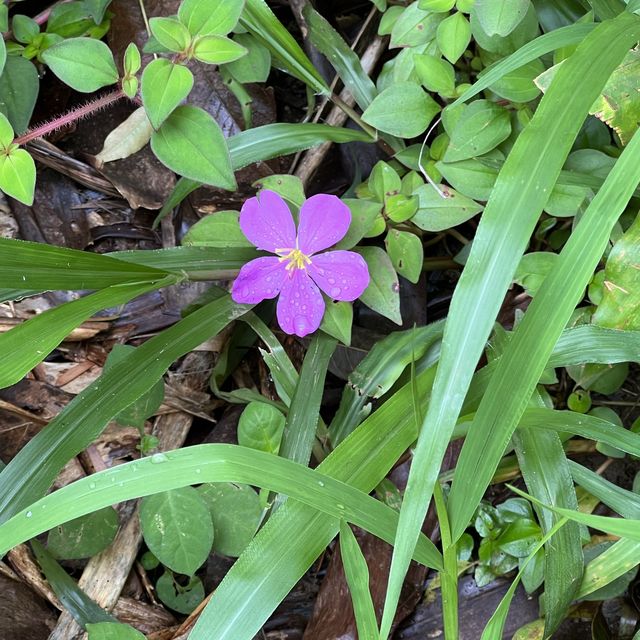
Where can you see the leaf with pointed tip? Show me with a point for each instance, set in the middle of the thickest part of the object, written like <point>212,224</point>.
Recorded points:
<point>18,175</point>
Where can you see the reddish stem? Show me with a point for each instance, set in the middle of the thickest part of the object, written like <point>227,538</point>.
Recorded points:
<point>71,116</point>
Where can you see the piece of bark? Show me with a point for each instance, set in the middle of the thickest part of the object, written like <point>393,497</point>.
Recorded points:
<point>144,617</point>
<point>23,563</point>
<point>24,615</point>
<point>106,573</point>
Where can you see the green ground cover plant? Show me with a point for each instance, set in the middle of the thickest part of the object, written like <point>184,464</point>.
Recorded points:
<point>507,128</point>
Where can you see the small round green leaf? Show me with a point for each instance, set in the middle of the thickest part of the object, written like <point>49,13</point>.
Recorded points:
<point>84,64</point>
<point>407,98</point>
<point>210,17</point>
<point>383,293</point>
<point>217,50</point>
<point>85,536</point>
<point>437,6</point>
<point>500,17</point>
<point>519,85</point>
<point>260,427</point>
<point>436,213</point>
<point>132,59</point>
<point>164,86</point>
<point>435,74</point>
<point>183,599</point>
<point>256,65</point>
<point>190,143</point>
<point>235,511</point>
<point>170,33</point>
<point>220,229</point>
<point>453,37</point>
<point>18,175</point>
<point>406,253</point>
<point>19,86</point>
<point>177,528</point>
<point>25,29</point>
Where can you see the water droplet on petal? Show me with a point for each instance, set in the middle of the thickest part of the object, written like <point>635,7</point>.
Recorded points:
<point>245,292</point>
<point>335,292</point>
<point>300,324</point>
<point>331,280</point>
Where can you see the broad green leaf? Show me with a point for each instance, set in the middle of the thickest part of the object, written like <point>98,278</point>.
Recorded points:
<point>132,59</point>
<point>435,74</point>
<point>127,138</point>
<point>235,512</point>
<point>518,85</point>
<point>383,293</point>
<point>32,471</point>
<point>500,17</point>
<point>6,132</point>
<point>363,215</point>
<point>97,9</point>
<point>260,427</point>
<point>217,50</point>
<point>176,470</point>
<point>414,27</point>
<point>220,229</point>
<point>255,66</point>
<point>613,588</point>
<point>400,208</point>
<point>84,64</point>
<point>417,107</point>
<point>177,527</point>
<point>18,175</point>
<point>191,143</point>
<point>530,171</point>
<point>472,177</point>
<point>164,86</point>
<point>526,29</point>
<point>338,320</point>
<point>24,29</point>
<point>83,609</point>
<point>346,63</point>
<point>620,305</point>
<point>384,181</point>
<point>261,22</point>
<point>453,37</point>
<point>436,5</point>
<point>84,536</point>
<point>210,17</point>
<point>406,253</point>
<point>289,187</point>
<point>183,599</point>
<point>533,269</point>
<point>482,126</point>
<point>19,86</point>
<point>171,34</point>
<point>112,631</point>
<point>69,20</point>
<point>436,213</point>
<point>357,576</point>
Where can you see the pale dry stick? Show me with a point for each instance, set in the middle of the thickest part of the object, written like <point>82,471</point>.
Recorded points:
<point>105,574</point>
<point>337,117</point>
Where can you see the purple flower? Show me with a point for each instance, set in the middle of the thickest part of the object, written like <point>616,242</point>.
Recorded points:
<point>299,272</point>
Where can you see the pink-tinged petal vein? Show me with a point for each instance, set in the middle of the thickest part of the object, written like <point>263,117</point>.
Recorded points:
<point>342,275</point>
<point>324,220</point>
<point>259,280</point>
<point>267,222</point>
<point>300,305</point>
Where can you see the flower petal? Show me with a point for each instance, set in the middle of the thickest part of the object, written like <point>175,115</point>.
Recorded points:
<point>342,275</point>
<point>300,306</point>
<point>267,222</point>
<point>258,280</point>
<point>324,220</point>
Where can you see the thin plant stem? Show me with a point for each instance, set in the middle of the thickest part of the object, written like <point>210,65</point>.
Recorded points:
<point>71,116</point>
<point>354,116</point>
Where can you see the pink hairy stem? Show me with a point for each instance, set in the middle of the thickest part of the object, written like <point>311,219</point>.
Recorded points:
<point>71,116</point>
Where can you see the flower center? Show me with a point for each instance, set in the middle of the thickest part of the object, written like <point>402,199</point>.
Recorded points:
<point>297,259</point>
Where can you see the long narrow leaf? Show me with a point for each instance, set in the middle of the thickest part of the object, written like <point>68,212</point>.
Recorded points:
<point>518,197</point>
<point>32,471</point>
<point>30,342</point>
<point>207,463</point>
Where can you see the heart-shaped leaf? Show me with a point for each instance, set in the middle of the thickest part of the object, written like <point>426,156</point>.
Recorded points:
<point>210,17</point>
<point>164,86</point>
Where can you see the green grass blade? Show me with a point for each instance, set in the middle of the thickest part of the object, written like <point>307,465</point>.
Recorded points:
<point>528,351</point>
<point>83,609</point>
<point>342,58</point>
<point>207,463</point>
<point>563,37</point>
<point>304,412</point>
<point>31,265</point>
<point>378,372</point>
<point>356,572</point>
<point>32,341</point>
<point>32,471</point>
<point>17,294</point>
<point>622,556</point>
<point>261,22</point>
<point>196,263</point>
<point>546,473</point>
<point>518,198</point>
<point>589,343</point>
<point>272,140</point>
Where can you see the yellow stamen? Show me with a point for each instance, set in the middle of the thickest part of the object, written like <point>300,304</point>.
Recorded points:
<point>297,259</point>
